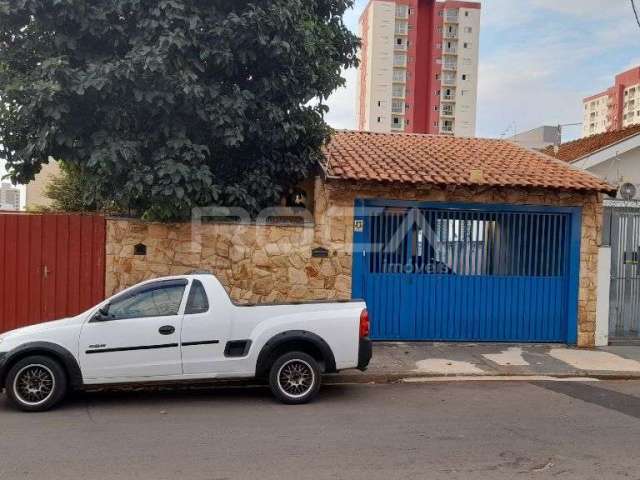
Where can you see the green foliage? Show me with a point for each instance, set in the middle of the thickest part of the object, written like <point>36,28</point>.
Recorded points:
<point>171,104</point>
<point>71,190</point>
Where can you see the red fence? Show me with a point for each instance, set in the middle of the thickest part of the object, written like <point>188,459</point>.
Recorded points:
<point>51,266</point>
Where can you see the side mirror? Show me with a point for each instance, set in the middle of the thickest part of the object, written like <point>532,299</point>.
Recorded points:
<point>101,315</point>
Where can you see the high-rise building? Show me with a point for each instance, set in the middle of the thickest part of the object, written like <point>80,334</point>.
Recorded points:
<point>419,67</point>
<point>9,197</point>
<point>615,108</point>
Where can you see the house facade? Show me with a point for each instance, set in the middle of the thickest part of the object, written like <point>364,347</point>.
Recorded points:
<point>615,157</point>
<point>446,239</point>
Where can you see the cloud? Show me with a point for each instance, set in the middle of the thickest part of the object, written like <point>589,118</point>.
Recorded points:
<point>342,104</point>
<point>594,9</point>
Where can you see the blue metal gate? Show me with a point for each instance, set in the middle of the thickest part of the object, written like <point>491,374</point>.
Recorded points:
<point>468,272</point>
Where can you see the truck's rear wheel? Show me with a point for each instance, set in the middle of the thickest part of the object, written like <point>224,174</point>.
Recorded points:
<point>294,378</point>
<point>36,384</point>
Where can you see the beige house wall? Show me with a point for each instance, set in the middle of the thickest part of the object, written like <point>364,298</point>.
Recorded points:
<point>35,190</point>
<point>274,263</point>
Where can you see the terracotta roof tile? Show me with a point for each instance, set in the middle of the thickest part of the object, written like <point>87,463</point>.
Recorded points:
<point>443,160</point>
<point>572,151</point>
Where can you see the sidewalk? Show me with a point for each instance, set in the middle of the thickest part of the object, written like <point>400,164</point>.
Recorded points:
<point>398,361</point>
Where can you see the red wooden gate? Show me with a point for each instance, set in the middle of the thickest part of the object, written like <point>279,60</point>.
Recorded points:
<point>51,266</point>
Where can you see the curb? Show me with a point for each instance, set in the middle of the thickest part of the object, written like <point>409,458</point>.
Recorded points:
<point>396,377</point>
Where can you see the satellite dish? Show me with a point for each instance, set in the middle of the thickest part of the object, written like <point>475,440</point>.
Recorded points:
<point>628,191</point>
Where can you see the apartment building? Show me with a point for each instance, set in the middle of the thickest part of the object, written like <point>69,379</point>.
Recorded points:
<point>615,108</point>
<point>9,197</point>
<point>419,67</point>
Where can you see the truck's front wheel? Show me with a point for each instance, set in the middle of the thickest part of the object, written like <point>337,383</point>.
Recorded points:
<point>294,378</point>
<point>36,384</point>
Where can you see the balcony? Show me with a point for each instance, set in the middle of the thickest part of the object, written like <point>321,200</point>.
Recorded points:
<point>450,50</point>
<point>451,35</point>
<point>451,16</point>
<point>450,66</point>
<point>448,98</point>
<point>402,28</point>
<point>447,112</point>
<point>397,123</point>
<point>402,11</point>
<point>399,76</point>
<point>398,92</point>
<point>400,60</point>
<point>449,81</point>
<point>446,129</point>
<point>400,47</point>
<point>397,107</point>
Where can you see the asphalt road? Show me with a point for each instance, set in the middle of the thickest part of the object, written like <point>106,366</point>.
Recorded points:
<point>484,430</point>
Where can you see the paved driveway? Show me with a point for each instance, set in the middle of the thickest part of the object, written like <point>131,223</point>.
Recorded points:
<point>460,430</point>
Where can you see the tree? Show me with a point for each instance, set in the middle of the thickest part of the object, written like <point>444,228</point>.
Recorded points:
<point>71,190</point>
<point>171,104</point>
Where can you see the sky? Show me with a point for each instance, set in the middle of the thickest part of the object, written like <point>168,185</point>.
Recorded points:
<point>538,60</point>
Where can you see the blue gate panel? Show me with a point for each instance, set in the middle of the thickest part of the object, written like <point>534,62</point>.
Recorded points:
<point>456,274</point>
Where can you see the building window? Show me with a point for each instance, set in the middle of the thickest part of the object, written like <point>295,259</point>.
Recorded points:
<point>468,29</point>
<point>379,119</point>
<point>402,27</point>
<point>437,76</point>
<point>436,108</point>
<point>464,76</point>
<point>400,59</point>
<point>397,106</point>
<point>437,93</point>
<point>398,90</point>
<point>466,45</point>
<point>399,75</point>
<point>466,14</point>
<point>402,11</point>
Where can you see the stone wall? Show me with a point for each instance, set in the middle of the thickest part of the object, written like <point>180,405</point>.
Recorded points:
<point>259,263</point>
<point>255,263</point>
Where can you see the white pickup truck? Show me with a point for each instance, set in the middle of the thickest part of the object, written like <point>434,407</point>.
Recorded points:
<point>184,328</point>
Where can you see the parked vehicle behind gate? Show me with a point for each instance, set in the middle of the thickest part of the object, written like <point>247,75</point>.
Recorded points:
<point>184,328</point>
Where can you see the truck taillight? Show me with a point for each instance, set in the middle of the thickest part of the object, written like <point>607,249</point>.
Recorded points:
<point>364,323</point>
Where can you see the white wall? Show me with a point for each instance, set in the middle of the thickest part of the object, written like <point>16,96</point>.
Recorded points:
<point>467,90</point>
<point>604,285</point>
<point>622,168</point>
<point>379,82</point>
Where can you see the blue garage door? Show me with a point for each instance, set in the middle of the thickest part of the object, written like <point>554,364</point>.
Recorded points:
<point>468,273</point>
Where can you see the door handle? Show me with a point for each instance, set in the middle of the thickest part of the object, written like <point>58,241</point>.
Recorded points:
<point>167,330</point>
